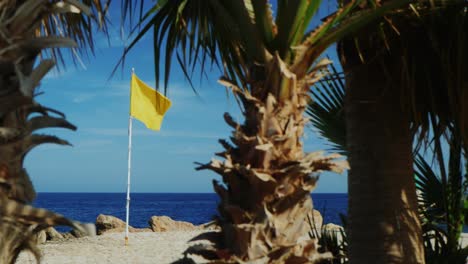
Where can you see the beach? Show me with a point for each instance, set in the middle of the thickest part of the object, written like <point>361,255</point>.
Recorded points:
<point>143,248</point>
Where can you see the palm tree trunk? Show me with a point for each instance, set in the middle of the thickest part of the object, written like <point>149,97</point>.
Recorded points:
<point>265,198</point>
<point>13,140</point>
<point>383,217</point>
<point>16,126</point>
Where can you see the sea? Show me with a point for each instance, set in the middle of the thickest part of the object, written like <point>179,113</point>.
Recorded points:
<point>197,208</point>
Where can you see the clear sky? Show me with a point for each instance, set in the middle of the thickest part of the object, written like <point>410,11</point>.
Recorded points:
<point>162,161</point>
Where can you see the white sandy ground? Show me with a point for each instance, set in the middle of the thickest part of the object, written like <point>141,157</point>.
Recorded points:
<point>143,248</point>
<point>464,239</point>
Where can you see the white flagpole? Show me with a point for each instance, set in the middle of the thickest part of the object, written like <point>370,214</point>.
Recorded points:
<point>130,119</point>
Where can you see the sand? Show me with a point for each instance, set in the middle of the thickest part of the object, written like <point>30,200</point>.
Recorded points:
<point>464,239</point>
<point>147,247</point>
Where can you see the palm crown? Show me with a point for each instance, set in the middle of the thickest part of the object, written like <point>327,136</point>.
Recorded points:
<point>240,35</point>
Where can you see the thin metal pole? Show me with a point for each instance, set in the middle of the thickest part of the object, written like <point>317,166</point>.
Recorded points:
<point>127,215</point>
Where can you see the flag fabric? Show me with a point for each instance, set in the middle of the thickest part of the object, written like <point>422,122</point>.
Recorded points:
<point>147,104</point>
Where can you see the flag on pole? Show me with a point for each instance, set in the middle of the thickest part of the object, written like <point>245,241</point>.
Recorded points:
<point>147,104</point>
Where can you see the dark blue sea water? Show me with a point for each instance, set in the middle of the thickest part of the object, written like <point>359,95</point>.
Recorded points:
<point>196,208</point>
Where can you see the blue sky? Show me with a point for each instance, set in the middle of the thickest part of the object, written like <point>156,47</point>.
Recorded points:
<point>162,161</point>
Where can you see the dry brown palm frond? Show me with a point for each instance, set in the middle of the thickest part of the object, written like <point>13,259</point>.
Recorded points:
<point>29,30</point>
<point>19,225</point>
<point>71,19</point>
<point>429,39</point>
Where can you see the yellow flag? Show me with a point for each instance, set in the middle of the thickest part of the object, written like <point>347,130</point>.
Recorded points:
<point>147,104</point>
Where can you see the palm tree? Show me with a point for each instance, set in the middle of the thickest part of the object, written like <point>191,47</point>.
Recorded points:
<point>397,86</point>
<point>440,194</point>
<point>31,30</point>
<point>269,62</point>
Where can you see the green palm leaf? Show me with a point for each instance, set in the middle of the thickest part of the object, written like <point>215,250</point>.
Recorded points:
<point>195,30</point>
<point>292,20</point>
<point>326,110</point>
<point>430,190</point>
<point>236,35</point>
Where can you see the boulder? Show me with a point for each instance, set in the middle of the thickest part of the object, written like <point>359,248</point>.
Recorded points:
<point>53,234</point>
<point>109,223</point>
<point>165,223</point>
<point>332,230</point>
<point>41,237</point>
<point>112,224</point>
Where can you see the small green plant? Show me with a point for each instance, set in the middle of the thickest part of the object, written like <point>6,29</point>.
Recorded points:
<point>437,249</point>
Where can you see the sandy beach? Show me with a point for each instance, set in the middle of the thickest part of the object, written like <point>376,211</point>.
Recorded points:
<point>143,248</point>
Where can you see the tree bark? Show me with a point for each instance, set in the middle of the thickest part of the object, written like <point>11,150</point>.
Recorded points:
<point>383,217</point>
<point>267,177</point>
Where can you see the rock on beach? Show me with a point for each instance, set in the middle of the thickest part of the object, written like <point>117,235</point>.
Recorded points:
<point>165,223</point>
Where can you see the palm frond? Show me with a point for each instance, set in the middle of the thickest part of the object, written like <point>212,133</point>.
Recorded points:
<point>336,26</point>
<point>326,110</point>
<point>20,224</point>
<point>430,190</point>
<point>76,20</point>
<point>71,19</point>
<point>239,35</point>
<point>263,16</point>
<point>436,89</point>
<point>197,30</point>
<point>31,29</point>
<point>437,250</point>
<point>441,197</point>
<point>292,20</point>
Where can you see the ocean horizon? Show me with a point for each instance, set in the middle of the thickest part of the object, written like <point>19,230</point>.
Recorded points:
<point>197,208</point>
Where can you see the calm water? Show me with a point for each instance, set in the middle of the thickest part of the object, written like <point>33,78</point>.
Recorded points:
<point>196,208</point>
